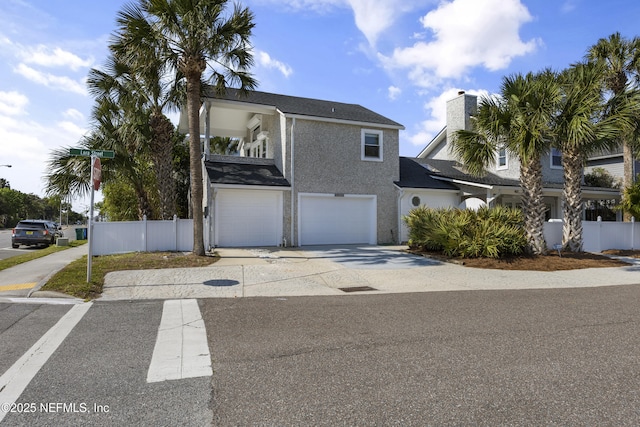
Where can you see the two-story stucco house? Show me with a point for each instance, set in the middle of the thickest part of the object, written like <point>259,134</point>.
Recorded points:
<point>309,172</point>
<point>500,185</point>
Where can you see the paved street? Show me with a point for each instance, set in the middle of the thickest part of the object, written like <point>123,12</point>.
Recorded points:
<point>529,357</point>
<point>98,374</point>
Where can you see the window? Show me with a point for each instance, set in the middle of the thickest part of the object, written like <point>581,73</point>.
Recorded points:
<point>556,159</point>
<point>372,145</point>
<point>503,162</point>
<point>415,201</point>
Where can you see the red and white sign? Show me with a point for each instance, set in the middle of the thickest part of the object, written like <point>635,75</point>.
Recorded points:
<point>97,173</point>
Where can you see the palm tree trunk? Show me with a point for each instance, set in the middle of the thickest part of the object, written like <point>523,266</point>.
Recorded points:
<point>627,158</point>
<point>572,162</point>
<point>195,159</point>
<point>162,150</point>
<point>532,204</point>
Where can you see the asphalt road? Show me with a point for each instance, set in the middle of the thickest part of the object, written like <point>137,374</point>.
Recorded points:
<point>6,251</point>
<point>552,357</point>
<point>98,374</point>
<point>539,357</point>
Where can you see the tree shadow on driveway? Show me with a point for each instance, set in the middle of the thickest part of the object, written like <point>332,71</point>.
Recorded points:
<point>370,257</point>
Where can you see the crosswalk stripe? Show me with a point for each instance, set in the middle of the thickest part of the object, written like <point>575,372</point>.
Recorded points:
<point>181,349</point>
<point>17,377</point>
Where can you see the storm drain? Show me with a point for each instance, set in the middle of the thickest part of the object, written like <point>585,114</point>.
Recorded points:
<point>358,289</point>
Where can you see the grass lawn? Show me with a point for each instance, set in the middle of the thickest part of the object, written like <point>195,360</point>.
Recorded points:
<point>37,253</point>
<point>72,280</point>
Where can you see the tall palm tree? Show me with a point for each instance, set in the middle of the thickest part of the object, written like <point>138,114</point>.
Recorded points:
<point>187,35</point>
<point>621,59</point>
<point>145,93</point>
<point>586,122</point>
<point>518,119</point>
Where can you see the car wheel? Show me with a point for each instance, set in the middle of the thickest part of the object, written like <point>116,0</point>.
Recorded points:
<point>15,246</point>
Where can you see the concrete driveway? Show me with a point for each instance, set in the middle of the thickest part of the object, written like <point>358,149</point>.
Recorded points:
<point>339,270</point>
<point>368,257</point>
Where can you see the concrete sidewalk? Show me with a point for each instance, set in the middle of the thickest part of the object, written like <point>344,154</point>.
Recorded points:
<point>324,271</point>
<point>27,278</point>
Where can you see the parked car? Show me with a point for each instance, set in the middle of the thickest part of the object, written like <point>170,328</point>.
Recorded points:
<point>30,232</point>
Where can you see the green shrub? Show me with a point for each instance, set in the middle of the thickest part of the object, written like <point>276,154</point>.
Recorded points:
<point>489,232</point>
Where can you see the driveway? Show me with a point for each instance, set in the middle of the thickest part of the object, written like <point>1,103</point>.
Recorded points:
<point>368,257</point>
<point>338,270</point>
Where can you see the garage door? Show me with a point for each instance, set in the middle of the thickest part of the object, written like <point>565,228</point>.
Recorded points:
<point>327,219</point>
<point>248,218</point>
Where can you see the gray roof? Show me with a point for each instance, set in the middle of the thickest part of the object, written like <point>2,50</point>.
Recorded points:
<point>456,170</point>
<point>308,107</point>
<point>415,175</point>
<point>452,169</point>
<point>225,172</point>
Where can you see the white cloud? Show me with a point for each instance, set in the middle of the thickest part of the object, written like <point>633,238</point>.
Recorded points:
<point>568,6</point>
<point>73,114</point>
<point>57,57</point>
<point>436,110</point>
<point>466,34</point>
<point>394,92</point>
<point>372,17</point>
<point>267,61</point>
<point>72,129</point>
<point>13,103</point>
<point>63,83</point>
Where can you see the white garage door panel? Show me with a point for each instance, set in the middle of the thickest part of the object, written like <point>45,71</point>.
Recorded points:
<point>248,218</point>
<point>337,220</point>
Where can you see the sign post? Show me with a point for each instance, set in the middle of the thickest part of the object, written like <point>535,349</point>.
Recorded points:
<point>96,177</point>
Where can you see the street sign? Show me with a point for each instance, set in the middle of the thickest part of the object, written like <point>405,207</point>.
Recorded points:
<point>97,173</point>
<point>107,154</point>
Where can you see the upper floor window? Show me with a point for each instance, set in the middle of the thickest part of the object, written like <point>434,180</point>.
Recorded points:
<point>372,145</point>
<point>503,161</point>
<point>556,158</point>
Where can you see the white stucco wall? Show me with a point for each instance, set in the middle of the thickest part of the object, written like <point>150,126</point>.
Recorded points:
<point>430,198</point>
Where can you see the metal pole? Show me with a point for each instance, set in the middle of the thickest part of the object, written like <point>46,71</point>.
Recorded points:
<point>90,225</point>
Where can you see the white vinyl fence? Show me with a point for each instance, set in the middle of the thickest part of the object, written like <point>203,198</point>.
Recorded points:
<point>142,236</point>
<point>598,236</point>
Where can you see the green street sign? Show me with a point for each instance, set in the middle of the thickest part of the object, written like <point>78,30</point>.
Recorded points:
<point>106,154</point>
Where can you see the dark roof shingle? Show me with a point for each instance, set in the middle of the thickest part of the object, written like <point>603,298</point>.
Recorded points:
<point>224,172</point>
<point>309,107</point>
<point>415,175</point>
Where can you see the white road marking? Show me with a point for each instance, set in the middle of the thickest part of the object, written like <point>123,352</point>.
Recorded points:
<point>50,301</point>
<point>181,349</point>
<point>17,377</point>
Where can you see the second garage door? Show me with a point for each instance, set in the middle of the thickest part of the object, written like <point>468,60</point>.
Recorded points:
<point>248,218</point>
<point>329,219</point>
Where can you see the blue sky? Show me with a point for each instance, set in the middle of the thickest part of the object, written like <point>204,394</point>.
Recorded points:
<point>402,59</point>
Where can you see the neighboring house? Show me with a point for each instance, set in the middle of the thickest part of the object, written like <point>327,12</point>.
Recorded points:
<point>309,172</point>
<point>612,162</point>
<point>423,179</point>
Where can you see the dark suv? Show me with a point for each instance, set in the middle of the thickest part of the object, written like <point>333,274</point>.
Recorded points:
<point>34,232</point>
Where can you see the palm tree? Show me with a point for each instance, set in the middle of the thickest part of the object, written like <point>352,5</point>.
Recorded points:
<point>187,35</point>
<point>148,93</point>
<point>69,174</point>
<point>519,120</point>
<point>586,122</point>
<point>621,59</point>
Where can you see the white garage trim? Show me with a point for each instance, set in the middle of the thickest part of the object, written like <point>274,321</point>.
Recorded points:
<point>325,219</point>
<point>248,217</point>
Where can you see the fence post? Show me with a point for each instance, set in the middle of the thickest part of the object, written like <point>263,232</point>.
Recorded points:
<point>144,233</point>
<point>175,232</point>
<point>599,233</point>
<point>633,229</point>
